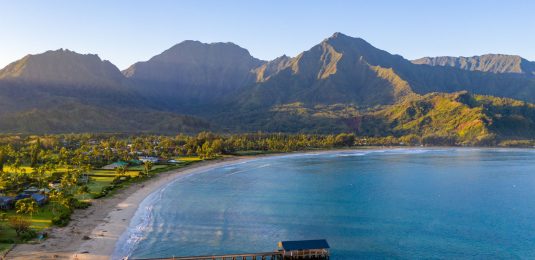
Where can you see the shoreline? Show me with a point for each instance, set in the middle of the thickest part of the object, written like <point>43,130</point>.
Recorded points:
<point>94,232</point>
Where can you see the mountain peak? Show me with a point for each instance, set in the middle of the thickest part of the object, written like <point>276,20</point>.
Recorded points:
<point>338,34</point>
<point>192,51</point>
<point>339,37</point>
<point>63,67</point>
<point>202,70</point>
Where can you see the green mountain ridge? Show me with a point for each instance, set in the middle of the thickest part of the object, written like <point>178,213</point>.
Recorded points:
<point>457,118</point>
<point>343,69</point>
<point>495,63</point>
<point>342,84</point>
<point>462,117</point>
<point>338,70</point>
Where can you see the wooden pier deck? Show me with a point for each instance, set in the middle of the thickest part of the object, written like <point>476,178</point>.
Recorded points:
<point>288,250</point>
<point>247,256</point>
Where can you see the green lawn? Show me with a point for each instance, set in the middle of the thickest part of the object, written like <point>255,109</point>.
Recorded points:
<point>4,247</point>
<point>188,158</point>
<point>39,221</point>
<point>140,167</point>
<point>97,183</point>
<point>131,172</point>
<point>29,169</point>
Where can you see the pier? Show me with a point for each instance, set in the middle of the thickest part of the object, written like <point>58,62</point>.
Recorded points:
<point>288,250</point>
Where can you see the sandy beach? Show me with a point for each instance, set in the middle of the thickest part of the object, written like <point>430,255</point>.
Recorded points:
<point>93,232</point>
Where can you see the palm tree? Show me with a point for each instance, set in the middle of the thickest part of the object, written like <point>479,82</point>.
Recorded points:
<point>147,166</point>
<point>41,174</point>
<point>121,170</point>
<point>34,153</point>
<point>2,159</point>
<point>27,206</point>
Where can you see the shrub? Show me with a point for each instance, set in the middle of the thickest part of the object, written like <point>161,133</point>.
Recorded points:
<point>120,179</point>
<point>81,204</point>
<point>7,241</point>
<point>20,225</point>
<point>28,235</point>
<point>62,219</point>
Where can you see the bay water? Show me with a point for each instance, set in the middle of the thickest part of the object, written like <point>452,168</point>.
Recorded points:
<point>372,203</point>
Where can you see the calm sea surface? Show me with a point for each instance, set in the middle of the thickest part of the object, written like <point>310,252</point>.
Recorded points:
<point>398,203</point>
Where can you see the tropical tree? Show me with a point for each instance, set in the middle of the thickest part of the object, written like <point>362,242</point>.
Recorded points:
<point>83,190</point>
<point>34,153</point>
<point>41,175</point>
<point>61,199</point>
<point>121,170</point>
<point>69,181</point>
<point>147,166</point>
<point>2,158</point>
<point>27,206</point>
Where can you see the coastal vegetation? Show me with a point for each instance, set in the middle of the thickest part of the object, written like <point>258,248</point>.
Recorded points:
<point>43,179</point>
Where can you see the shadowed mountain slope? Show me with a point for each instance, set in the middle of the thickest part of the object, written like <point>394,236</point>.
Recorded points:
<point>195,73</point>
<point>495,63</point>
<point>63,91</point>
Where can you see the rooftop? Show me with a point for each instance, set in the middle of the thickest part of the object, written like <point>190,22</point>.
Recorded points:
<point>304,244</point>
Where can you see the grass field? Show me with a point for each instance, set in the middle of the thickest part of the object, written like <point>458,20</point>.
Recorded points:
<point>39,221</point>
<point>29,169</point>
<point>188,159</point>
<point>140,167</point>
<point>4,247</point>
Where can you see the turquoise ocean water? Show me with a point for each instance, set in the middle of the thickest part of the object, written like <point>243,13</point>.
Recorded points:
<point>374,204</point>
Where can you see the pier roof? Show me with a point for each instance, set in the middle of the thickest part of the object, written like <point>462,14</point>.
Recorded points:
<point>304,244</point>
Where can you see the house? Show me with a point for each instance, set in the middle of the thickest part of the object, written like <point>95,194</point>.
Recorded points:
<point>316,249</point>
<point>6,202</point>
<point>115,165</point>
<point>31,190</point>
<point>40,199</point>
<point>149,159</point>
<point>21,196</point>
<point>135,162</point>
<point>55,185</point>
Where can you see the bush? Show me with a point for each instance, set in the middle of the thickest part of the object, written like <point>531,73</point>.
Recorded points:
<point>344,140</point>
<point>62,218</point>
<point>20,225</point>
<point>120,179</point>
<point>435,139</point>
<point>100,195</point>
<point>28,235</point>
<point>81,204</point>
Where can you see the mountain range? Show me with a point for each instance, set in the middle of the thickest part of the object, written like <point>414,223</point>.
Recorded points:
<point>495,63</point>
<point>341,84</point>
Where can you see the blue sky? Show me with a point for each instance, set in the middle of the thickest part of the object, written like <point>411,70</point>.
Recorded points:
<point>128,31</point>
